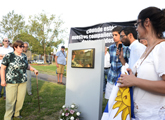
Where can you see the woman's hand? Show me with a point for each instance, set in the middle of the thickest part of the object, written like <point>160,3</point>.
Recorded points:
<point>127,80</point>
<point>36,72</point>
<point>3,83</point>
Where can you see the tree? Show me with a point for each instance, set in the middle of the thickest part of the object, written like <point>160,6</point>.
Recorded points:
<point>11,24</point>
<point>34,44</point>
<point>47,30</point>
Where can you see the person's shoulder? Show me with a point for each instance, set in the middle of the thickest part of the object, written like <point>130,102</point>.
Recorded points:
<point>125,47</point>
<point>24,55</point>
<point>159,50</point>
<point>9,54</point>
<point>162,43</point>
<point>160,46</point>
<point>112,46</point>
<point>1,48</point>
<point>138,45</point>
<point>11,48</point>
<point>58,52</point>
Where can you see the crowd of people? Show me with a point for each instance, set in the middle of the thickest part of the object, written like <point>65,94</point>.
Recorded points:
<point>142,47</point>
<point>15,74</point>
<point>146,63</point>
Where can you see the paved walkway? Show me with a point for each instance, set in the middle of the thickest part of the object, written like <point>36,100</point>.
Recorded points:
<point>49,78</point>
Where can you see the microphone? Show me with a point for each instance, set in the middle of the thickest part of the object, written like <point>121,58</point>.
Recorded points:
<point>119,48</point>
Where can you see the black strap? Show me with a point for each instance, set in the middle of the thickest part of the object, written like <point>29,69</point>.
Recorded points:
<point>149,52</point>
<point>63,54</point>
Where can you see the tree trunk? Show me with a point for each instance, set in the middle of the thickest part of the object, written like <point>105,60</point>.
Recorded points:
<point>44,54</point>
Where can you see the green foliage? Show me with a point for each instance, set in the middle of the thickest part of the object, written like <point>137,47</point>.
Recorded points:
<point>11,24</point>
<point>49,69</point>
<point>43,33</point>
<point>34,44</point>
<point>47,30</point>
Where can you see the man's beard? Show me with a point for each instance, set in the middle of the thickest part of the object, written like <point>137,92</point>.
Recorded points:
<point>126,42</point>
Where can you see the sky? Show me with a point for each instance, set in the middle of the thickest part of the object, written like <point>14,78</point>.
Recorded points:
<point>80,13</point>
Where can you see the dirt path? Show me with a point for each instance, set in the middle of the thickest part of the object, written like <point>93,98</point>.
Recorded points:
<point>49,78</point>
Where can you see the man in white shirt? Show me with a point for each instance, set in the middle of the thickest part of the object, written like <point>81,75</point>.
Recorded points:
<point>107,65</point>
<point>3,51</point>
<point>128,37</point>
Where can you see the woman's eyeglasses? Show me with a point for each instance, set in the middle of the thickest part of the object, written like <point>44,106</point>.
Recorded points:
<point>21,46</point>
<point>136,24</point>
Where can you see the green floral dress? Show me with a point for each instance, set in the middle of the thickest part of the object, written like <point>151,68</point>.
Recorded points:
<point>16,67</point>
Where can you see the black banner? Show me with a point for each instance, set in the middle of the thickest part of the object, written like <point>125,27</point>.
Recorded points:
<point>96,32</point>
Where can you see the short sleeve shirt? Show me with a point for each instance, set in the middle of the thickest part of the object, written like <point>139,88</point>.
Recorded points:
<point>4,51</point>
<point>16,67</point>
<point>61,59</point>
<point>150,106</point>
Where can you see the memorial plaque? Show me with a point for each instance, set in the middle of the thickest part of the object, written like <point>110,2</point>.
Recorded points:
<point>83,58</point>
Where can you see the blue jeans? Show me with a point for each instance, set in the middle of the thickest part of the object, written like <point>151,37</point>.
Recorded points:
<point>4,94</point>
<point>105,80</point>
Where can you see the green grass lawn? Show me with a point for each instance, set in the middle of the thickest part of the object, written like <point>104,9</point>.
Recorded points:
<point>52,97</point>
<point>47,69</point>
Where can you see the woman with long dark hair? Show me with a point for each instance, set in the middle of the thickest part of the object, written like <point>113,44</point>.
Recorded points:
<point>149,85</point>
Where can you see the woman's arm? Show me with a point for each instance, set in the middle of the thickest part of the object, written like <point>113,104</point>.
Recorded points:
<point>148,85</point>
<point>3,69</point>
<point>32,69</point>
<point>152,86</point>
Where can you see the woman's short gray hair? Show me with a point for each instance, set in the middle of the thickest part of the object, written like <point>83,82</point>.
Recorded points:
<point>26,43</point>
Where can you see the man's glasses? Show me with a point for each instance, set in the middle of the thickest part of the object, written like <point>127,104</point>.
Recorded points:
<point>136,24</point>
<point>121,36</point>
<point>6,41</point>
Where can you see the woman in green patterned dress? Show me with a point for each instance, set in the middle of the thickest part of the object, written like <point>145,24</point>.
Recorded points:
<point>13,76</point>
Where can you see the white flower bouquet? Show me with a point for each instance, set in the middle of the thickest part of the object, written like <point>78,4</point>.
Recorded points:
<point>69,113</point>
